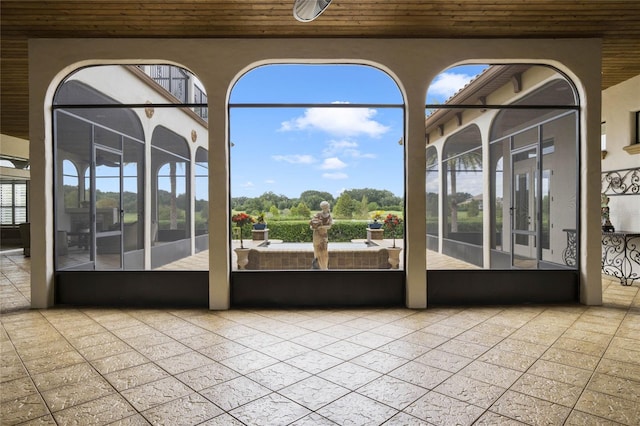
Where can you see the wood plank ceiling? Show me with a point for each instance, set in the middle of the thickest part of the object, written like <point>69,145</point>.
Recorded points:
<point>617,22</point>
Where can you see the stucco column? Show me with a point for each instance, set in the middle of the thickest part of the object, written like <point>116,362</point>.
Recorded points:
<point>415,197</point>
<point>219,238</point>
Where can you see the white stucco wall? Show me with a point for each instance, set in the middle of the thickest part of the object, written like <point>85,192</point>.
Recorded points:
<point>219,62</point>
<point>619,105</point>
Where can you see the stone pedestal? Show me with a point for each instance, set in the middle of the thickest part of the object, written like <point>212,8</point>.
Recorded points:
<point>260,234</point>
<point>394,256</point>
<point>375,234</point>
<point>243,257</point>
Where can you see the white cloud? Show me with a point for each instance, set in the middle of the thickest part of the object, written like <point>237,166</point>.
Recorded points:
<point>346,148</point>
<point>448,83</point>
<point>338,121</point>
<point>335,176</point>
<point>333,163</point>
<point>295,158</point>
<point>269,181</point>
<point>247,184</point>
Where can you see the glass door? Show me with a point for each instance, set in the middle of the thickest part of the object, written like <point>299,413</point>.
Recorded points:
<point>107,212</point>
<point>524,208</point>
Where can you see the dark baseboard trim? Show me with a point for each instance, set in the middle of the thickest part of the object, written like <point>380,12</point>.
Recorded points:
<point>332,288</point>
<point>501,287</point>
<point>177,289</point>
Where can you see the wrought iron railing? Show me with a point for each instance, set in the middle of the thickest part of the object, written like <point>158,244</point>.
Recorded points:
<point>621,182</point>
<point>173,79</point>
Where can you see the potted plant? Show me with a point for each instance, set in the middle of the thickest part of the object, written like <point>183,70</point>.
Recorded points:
<point>260,224</point>
<point>242,219</point>
<point>391,222</point>
<point>377,216</point>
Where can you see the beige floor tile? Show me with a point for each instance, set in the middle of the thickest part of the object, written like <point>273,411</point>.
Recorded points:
<point>155,393</point>
<point>86,341</point>
<point>615,386</point>
<point>180,363</point>
<point>579,418</point>
<point>495,419</point>
<point>506,359</point>
<point>422,338</point>
<point>206,376</point>
<point>234,393</point>
<point>548,389</point>
<point>357,409</point>
<point>530,410</point>
<point>223,420</point>
<point>64,376</point>
<point>250,361</point>
<point>315,340</point>
<point>119,362</point>
<point>344,350</point>
<point>100,411</point>
<point>313,419</point>
<point>271,410</point>
<point>470,390</point>
<point>574,359</point>
<point>284,350</point>
<point>314,392</point>
<point>52,348</point>
<point>110,349</point>
<point>41,421</point>
<point>521,347</point>
<point>623,354</point>
<point>403,349</point>
<point>379,361</point>
<point>562,373</point>
<point>463,348</point>
<point>12,372</point>
<point>314,362</point>
<point>393,392</point>
<point>136,376</point>
<point>135,420</point>
<point>492,374</point>
<point>610,407</point>
<point>189,410</point>
<point>370,339</point>
<point>619,369</point>
<point>439,409</point>
<point>16,389</point>
<point>224,350</point>
<point>420,374</point>
<point>164,350</point>
<point>444,360</point>
<point>580,346</point>
<point>64,359</point>
<point>76,393</point>
<point>18,410</point>
<point>349,375</point>
<point>278,376</point>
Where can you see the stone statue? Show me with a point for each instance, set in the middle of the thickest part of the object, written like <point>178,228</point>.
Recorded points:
<point>604,213</point>
<point>320,223</point>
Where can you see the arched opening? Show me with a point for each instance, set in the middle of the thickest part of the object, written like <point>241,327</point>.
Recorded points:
<point>124,182</point>
<point>509,142</point>
<point>462,178</point>
<point>301,135</point>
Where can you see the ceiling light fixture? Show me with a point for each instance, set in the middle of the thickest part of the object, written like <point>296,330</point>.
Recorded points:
<point>308,10</point>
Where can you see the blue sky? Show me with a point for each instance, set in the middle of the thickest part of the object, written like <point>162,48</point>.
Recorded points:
<point>290,150</point>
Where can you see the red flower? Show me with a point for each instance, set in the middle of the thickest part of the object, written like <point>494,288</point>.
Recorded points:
<point>242,219</point>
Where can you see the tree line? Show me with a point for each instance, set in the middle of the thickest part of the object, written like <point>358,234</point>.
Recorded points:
<point>352,203</point>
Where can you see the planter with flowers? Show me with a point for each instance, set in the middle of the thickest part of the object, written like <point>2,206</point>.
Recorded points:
<point>241,220</point>
<point>374,229</point>
<point>392,222</point>
<point>260,231</point>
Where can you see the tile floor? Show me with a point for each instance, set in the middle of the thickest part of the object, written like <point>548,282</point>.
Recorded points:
<point>552,365</point>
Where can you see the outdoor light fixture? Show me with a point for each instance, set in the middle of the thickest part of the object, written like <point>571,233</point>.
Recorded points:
<point>308,10</point>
